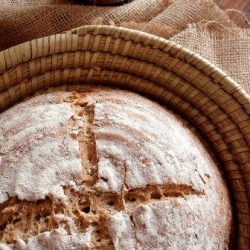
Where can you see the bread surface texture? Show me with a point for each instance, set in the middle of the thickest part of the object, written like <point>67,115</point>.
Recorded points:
<point>107,169</point>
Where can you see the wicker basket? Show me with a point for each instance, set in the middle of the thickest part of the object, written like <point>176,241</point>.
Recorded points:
<point>143,63</point>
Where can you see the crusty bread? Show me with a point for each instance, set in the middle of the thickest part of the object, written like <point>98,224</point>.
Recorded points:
<point>107,169</point>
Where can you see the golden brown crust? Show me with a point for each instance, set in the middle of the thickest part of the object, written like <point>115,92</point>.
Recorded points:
<point>142,171</point>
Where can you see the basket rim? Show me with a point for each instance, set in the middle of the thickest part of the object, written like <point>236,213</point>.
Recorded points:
<point>78,40</point>
<point>139,36</point>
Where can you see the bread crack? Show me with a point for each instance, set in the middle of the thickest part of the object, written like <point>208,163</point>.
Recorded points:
<point>156,192</point>
<point>97,205</point>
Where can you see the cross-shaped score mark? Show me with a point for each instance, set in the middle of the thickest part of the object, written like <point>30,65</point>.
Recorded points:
<point>87,208</point>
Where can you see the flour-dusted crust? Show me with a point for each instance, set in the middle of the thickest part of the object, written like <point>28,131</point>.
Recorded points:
<point>107,169</point>
<point>38,155</point>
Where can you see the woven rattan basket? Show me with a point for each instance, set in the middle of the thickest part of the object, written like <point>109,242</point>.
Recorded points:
<point>143,63</point>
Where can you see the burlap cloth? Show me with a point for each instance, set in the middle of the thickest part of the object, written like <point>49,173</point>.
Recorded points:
<point>199,25</point>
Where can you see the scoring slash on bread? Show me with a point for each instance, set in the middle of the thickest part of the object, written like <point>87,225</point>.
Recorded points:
<point>107,169</point>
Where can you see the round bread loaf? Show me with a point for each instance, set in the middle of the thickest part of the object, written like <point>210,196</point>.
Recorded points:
<point>107,169</point>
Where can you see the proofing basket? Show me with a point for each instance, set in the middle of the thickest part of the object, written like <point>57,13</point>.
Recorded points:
<point>143,63</point>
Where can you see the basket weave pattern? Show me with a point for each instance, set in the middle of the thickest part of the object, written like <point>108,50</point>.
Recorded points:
<point>147,64</point>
